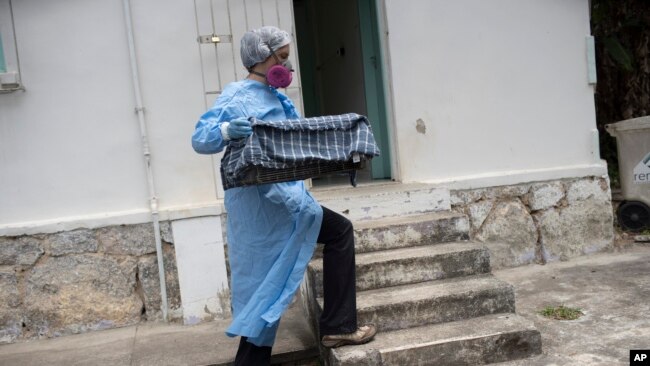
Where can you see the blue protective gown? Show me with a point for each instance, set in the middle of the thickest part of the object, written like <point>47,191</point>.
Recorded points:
<point>272,228</point>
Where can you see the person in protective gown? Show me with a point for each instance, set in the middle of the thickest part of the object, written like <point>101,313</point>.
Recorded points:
<point>272,229</point>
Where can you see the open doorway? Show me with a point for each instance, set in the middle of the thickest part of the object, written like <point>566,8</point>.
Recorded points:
<point>341,70</point>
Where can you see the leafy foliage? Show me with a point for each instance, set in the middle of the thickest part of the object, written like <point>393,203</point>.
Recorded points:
<point>622,32</point>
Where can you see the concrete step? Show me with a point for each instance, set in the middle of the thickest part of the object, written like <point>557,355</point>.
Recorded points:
<point>482,340</point>
<point>374,201</point>
<point>410,265</point>
<point>407,231</point>
<point>432,302</point>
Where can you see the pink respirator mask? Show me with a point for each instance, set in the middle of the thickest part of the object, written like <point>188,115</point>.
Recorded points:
<point>279,75</point>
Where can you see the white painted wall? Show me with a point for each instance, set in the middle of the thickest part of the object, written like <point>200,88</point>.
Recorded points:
<point>200,260</point>
<point>70,144</point>
<point>170,75</point>
<point>501,86</point>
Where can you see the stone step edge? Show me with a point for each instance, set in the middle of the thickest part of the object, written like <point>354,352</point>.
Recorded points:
<point>427,290</point>
<point>377,235</point>
<point>369,258</point>
<point>406,219</point>
<point>371,203</point>
<point>343,192</point>
<point>434,336</point>
<point>408,231</point>
<point>427,263</point>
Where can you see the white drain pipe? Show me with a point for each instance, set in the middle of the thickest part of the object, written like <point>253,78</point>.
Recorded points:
<point>139,109</point>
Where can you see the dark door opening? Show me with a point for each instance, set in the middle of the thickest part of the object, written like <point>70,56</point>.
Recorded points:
<point>340,70</point>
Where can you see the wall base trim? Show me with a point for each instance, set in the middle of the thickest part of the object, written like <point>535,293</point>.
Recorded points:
<point>504,178</point>
<point>93,221</point>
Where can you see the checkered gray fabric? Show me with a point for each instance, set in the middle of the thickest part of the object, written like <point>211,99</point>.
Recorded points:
<point>295,143</point>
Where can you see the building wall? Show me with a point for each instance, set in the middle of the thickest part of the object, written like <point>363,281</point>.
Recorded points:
<point>491,92</point>
<point>539,222</point>
<point>71,151</point>
<point>87,279</point>
<point>73,173</point>
<point>70,146</point>
<point>481,96</point>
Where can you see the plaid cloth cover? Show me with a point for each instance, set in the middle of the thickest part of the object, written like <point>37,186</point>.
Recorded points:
<point>297,142</point>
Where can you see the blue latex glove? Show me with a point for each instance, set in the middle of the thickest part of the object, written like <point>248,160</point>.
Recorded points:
<point>239,128</point>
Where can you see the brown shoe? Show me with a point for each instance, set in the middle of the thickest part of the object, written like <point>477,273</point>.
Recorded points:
<point>364,334</point>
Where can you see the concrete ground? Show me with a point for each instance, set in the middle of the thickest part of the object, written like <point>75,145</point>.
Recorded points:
<point>612,289</point>
<point>159,344</point>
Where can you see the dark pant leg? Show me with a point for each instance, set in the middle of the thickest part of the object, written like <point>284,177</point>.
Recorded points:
<point>249,354</point>
<point>340,303</point>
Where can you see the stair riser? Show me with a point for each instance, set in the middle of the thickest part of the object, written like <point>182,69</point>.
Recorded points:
<point>474,351</point>
<point>383,203</point>
<point>412,234</point>
<point>413,270</point>
<point>439,310</point>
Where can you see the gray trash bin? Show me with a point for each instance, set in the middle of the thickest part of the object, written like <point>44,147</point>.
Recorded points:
<point>633,141</point>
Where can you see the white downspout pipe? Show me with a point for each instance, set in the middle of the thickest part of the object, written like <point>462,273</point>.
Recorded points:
<point>139,109</point>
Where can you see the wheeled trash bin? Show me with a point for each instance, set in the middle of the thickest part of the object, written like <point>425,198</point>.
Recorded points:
<point>633,142</point>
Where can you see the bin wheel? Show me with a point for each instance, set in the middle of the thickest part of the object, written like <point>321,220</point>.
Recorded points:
<point>634,216</point>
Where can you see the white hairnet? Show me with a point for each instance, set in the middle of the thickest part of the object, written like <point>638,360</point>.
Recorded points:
<point>255,44</point>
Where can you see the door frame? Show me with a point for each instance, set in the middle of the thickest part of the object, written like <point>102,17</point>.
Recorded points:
<point>374,84</point>
<point>387,77</point>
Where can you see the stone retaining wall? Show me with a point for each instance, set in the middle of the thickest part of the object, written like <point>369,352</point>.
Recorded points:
<point>92,279</point>
<point>81,280</point>
<point>539,222</point>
